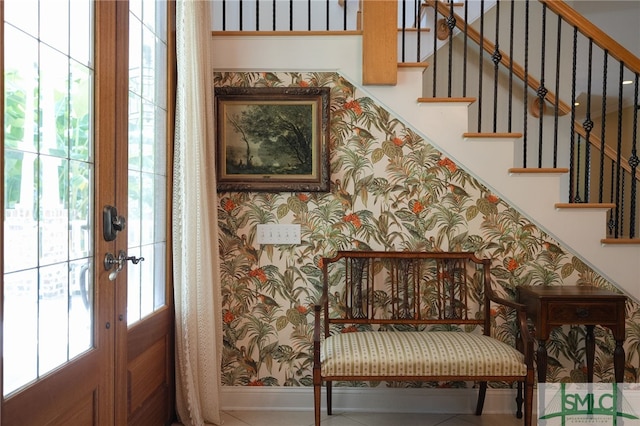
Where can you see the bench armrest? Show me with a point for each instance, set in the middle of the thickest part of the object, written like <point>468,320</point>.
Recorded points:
<point>317,328</point>
<point>524,340</point>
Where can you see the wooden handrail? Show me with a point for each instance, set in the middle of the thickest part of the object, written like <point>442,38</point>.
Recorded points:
<point>489,47</point>
<point>589,30</point>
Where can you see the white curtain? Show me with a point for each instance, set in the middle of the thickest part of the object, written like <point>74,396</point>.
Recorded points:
<point>195,239</point>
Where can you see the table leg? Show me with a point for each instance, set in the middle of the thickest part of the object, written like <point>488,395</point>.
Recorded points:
<point>618,361</point>
<point>541,361</point>
<point>590,344</point>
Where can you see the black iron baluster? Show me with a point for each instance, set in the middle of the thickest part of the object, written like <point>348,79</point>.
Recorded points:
<point>510,101</point>
<point>621,205</point>
<point>588,123</point>
<point>224,15</point>
<point>404,29</point>
<point>257,15</point>
<point>542,91</point>
<point>619,177</point>
<point>240,13</point>
<point>578,168</point>
<point>496,58</point>
<point>526,84</point>
<point>451,25</point>
<point>557,101</point>
<point>344,16</point>
<point>612,213</point>
<point>604,124</point>
<point>290,15</point>
<point>572,139</point>
<point>419,26</point>
<point>435,49</point>
<point>466,42</point>
<point>611,223</point>
<point>273,7</point>
<point>327,2</point>
<point>480,61</point>
<point>634,161</point>
<point>309,15</point>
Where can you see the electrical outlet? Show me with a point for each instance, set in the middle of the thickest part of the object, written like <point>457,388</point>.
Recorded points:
<point>278,234</point>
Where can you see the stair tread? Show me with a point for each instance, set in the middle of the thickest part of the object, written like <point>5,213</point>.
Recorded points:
<point>620,241</point>
<point>414,30</point>
<point>541,170</point>
<point>492,135</point>
<point>434,100</point>
<point>412,65</point>
<point>585,205</point>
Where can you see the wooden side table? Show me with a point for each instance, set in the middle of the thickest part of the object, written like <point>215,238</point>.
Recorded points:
<point>553,306</point>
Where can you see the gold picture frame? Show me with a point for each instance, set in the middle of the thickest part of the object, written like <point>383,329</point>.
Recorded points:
<point>273,139</point>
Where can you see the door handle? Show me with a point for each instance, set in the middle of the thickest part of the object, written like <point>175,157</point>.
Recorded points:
<point>117,263</point>
<point>133,259</point>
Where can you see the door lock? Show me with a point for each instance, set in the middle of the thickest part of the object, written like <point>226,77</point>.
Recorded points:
<point>111,223</point>
<point>117,263</point>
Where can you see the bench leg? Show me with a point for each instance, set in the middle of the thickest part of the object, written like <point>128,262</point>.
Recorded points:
<point>317,391</point>
<point>519,401</point>
<point>481,394</point>
<point>528,402</point>
<point>329,411</point>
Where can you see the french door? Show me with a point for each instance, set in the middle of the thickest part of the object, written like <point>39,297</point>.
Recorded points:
<point>86,309</point>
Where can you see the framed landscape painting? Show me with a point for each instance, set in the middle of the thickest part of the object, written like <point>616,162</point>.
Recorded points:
<point>272,138</point>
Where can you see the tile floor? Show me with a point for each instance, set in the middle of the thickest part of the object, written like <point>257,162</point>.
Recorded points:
<point>305,418</point>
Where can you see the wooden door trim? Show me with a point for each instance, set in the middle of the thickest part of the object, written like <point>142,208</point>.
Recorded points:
<point>120,164</point>
<point>2,195</point>
<point>104,158</point>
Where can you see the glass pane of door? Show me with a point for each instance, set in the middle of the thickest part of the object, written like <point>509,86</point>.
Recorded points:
<point>147,157</point>
<point>48,182</point>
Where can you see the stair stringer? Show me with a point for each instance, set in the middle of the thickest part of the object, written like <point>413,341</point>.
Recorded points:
<point>489,159</point>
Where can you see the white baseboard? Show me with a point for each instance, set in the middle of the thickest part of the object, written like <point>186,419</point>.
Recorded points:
<point>397,400</point>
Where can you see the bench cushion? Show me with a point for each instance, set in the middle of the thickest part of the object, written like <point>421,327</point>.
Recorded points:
<point>415,353</point>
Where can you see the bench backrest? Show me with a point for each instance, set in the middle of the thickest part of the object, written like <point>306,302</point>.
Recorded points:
<point>405,290</point>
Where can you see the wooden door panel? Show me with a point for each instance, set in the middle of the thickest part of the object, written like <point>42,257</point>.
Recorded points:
<point>66,397</point>
<point>84,413</point>
<point>154,411</point>
<point>150,370</point>
<point>147,373</point>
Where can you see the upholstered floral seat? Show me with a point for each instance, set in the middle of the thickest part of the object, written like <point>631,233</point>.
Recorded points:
<point>416,353</point>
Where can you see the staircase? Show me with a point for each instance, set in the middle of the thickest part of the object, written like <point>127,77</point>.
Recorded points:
<point>487,157</point>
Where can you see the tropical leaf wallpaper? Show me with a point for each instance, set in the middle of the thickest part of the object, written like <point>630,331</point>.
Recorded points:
<point>390,190</point>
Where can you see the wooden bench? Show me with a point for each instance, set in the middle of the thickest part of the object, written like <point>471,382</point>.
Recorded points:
<point>416,316</point>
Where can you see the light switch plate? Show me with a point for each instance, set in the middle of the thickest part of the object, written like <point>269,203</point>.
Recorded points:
<point>278,234</point>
